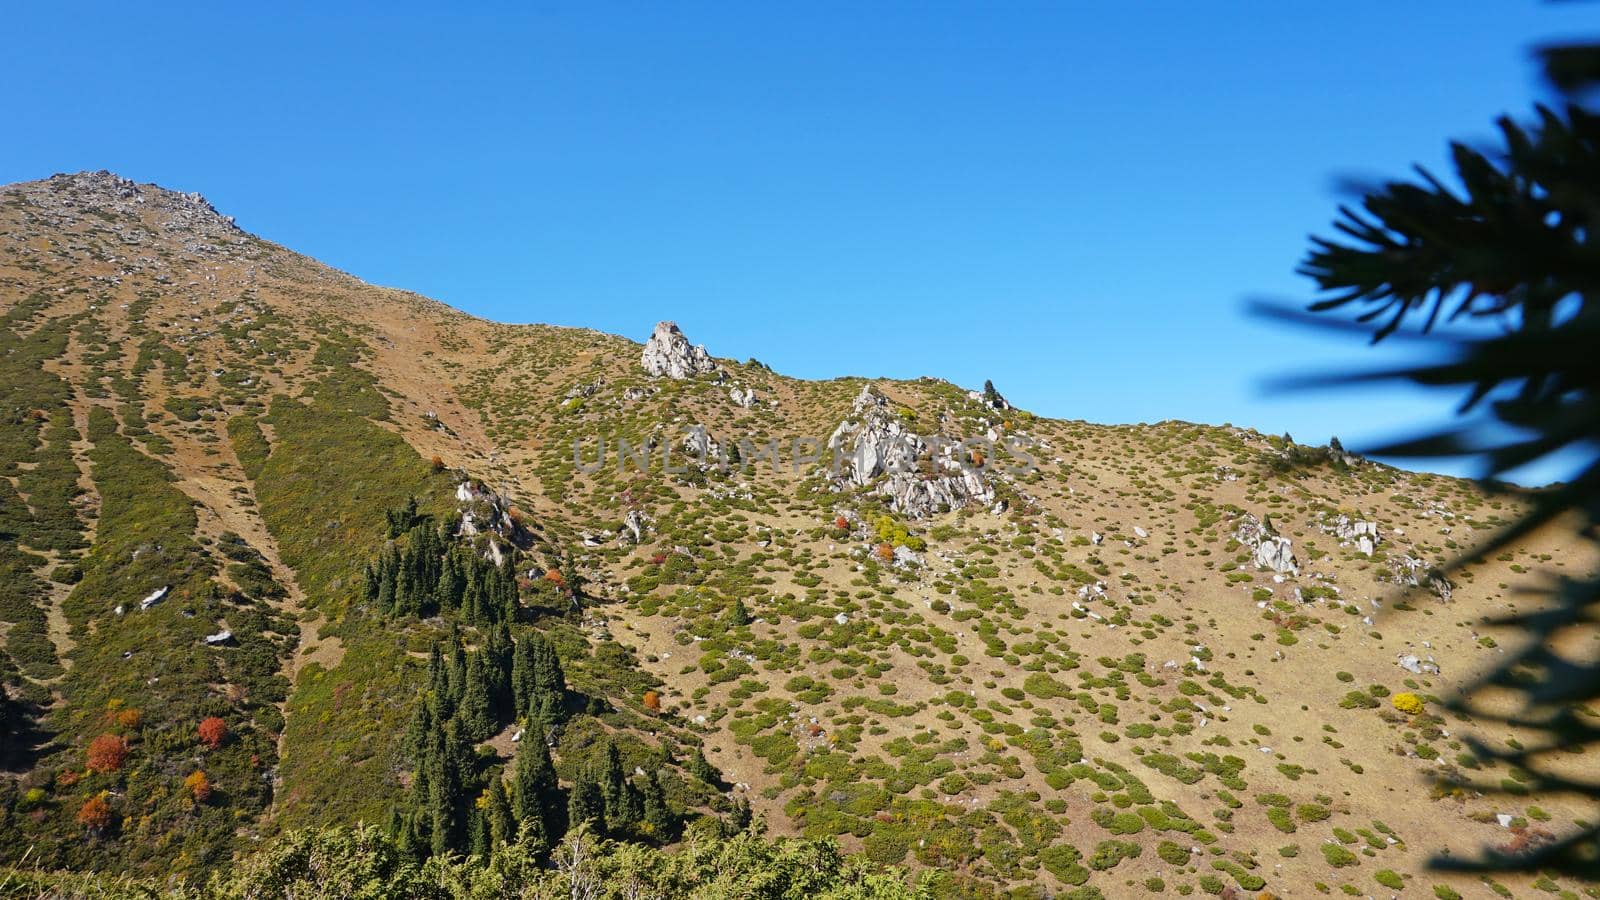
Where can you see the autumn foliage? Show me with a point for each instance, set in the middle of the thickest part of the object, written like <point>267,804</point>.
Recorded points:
<point>886,552</point>
<point>841,523</point>
<point>107,753</point>
<point>556,578</point>
<point>95,813</point>
<point>652,701</point>
<point>213,731</point>
<point>198,785</point>
<point>437,463</point>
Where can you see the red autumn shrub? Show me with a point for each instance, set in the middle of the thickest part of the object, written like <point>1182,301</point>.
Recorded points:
<point>213,731</point>
<point>652,701</point>
<point>886,552</point>
<point>841,523</point>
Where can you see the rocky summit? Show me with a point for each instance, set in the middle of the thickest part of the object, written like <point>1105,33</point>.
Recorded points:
<point>669,354</point>
<point>282,552</point>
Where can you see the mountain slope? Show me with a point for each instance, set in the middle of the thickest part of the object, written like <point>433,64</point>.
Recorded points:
<point>1060,654</point>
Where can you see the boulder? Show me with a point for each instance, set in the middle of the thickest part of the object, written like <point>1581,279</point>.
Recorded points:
<point>1416,665</point>
<point>669,354</point>
<point>697,442</point>
<point>1277,554</point>
<point>156,596</point>
<point>744,397</point>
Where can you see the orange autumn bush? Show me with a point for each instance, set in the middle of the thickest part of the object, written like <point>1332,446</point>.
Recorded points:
<point>198,786</point>
<point>107,753</point>
<point>95,813</point>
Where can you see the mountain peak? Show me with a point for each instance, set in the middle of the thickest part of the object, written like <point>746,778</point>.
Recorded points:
<point>63,198</point>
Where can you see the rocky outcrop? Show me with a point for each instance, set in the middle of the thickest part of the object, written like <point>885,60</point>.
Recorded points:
<point>1269,550</point>
<point>990,397</point>
<point>873,448</point>
<point>669,354</point>
<point>743,397</point>
<point>1412,572</point>
<point>698,443</point>
<point>486,518</point>
<point>1362,534</point>
<point>633,526</point>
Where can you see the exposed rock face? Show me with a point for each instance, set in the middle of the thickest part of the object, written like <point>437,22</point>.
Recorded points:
<point>487,513</point>
<point>668,353</point>
<point>745,397</point>
<point>1271,551</point>
<point>874,447</point>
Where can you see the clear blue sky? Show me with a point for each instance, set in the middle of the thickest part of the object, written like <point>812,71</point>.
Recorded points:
<point>1072,199</point>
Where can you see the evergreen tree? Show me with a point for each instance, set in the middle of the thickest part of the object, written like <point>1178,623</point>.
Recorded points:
<point>403,519</point>
<point>444,803</point>
<point>457,668</point>
<point>477,707</point>
<point>548,678</point>
<point>990,395</point>
<point>497,811</point>
<point>586,804</point>
<point>701,768</point>
<point>613,781</point>
<point>478,842</point>
<point>421,727</point>
<point>739,817</point>
<point>523,683</point>
<point>657,819</point>
<point>533,784</point>
<point>739,614</point>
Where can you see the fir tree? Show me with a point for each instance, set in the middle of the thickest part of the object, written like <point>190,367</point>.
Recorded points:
<point>701,768</point>
<point>657,819</point>
<point>477,706</point>
<point>533,783</point>
<point>586,804</point>
<point>497,811</point>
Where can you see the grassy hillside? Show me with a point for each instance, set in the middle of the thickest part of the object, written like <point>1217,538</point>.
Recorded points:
<point>1161,658</point>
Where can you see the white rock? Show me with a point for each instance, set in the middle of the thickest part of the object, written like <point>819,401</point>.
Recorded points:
<point>668,353</point>
<point>156,596</point>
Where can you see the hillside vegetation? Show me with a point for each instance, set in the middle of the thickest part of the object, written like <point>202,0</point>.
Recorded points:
<point>313,588</point>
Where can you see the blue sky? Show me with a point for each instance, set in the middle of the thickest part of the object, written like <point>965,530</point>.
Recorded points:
<point>1073,199</point>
